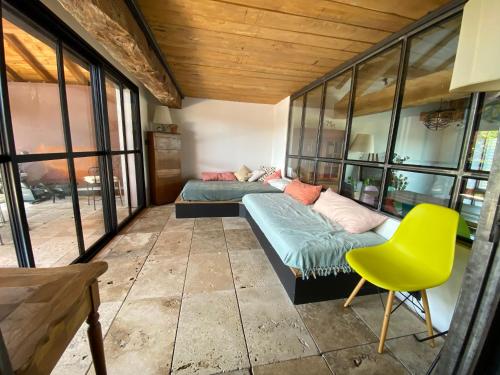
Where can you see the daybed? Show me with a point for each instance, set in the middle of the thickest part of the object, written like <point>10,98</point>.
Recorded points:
<point>216,198</point>
<point>306,250</point>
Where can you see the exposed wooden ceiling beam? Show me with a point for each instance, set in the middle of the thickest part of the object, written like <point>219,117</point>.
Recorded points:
<point>436,48</point>
<point>29,58</point>
<point>446,63</point>
<point>13,75</point>
<point>112,24</point>
<point>76,72</point>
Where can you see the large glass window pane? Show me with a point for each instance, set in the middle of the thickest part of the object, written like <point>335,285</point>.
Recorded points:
<point>8,256</point>
<point>311,122</point>
<point>306,170</point>
<point>407,189</point>
<point>113,101</point>
<point>49,209</point>
<point>432,121</point>
<point>120,187</point>
<point>292,168</point>
<point>470,202</point>
<point>295,126</point>
<point>89,178</point>
<point>328,175</point>
<point>33,88</point>
<point>486,134</point>
<point>335,116</point>
<point>362,184</point>
<point>79,98</point>
<point>373,102</point>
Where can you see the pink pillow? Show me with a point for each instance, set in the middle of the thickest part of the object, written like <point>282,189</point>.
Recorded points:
<point>274,176</point>
<point>218,176</point>
<point>304,193</point>
<point>352,216</point>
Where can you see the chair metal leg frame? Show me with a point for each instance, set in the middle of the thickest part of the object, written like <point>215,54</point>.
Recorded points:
<point>120,192</point>
<point>388,311</point>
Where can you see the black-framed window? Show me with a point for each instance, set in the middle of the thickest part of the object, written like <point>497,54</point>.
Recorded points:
<point>392,136</point>
<point>58,191</point>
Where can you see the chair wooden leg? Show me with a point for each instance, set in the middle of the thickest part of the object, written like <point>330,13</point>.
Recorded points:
<point>385,324</point>
<point>428,320</point>
<point>354,292</point>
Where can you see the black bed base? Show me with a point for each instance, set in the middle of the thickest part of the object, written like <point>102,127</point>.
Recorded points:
<point>322,288</point>
<point>223,209</point>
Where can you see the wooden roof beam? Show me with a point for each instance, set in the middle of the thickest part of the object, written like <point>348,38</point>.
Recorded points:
<point>29,58</point>
<point>112,24</point>
<point>13,75</point>
<point>76,72</point>
<point>436,48</point>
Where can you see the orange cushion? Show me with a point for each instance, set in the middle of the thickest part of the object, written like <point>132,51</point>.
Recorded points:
<point>218,176</point>
<point>304,193</point>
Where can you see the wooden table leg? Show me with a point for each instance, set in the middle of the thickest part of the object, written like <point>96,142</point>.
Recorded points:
<point>94,333</point>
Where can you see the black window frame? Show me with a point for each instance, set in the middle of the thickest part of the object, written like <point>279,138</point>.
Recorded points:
<point>461,172</point>
<point>38,16</point>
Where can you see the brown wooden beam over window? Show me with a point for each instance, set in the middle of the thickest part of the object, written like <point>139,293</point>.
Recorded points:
<point>113,25</point>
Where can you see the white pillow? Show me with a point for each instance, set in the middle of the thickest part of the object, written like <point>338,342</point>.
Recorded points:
<point>279,183</point>
<point>256,175</point>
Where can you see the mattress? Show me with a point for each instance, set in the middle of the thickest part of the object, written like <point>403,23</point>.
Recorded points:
<point>302,237</point>
<point>197,190</point>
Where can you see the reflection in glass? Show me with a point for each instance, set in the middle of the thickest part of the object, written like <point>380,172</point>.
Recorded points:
<point>362,184</point>
<point>295,126</point>
<point>432,121</point>
<point>113,101</point>
<point>375,88</point>
<point>292,168</point>
<point>328,175</point>
<point>470,202</point>
<point>407,189</point>
<point>89,177</point>
<point>306,170</point>
<point>120,181</point>
<point>8,256</point>
<point>49,209</point>
<point>335,116</point>
<point>485,137</point>
<point>132,177</point>
<point>32,78</point>
<point>129,119</point>
<point>311,122</point>
<point>79,98</point>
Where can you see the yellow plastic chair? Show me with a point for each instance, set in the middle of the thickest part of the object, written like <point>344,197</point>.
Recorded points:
<point>419,256</point>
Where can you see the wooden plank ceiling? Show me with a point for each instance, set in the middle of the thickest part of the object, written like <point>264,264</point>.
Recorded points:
<point>263,50</point>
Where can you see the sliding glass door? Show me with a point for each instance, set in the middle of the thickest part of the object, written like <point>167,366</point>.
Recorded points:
<point>71,148</point>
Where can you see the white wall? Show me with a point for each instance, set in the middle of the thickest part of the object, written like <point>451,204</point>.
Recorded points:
<point>280,130</point>
<point>219,135</point>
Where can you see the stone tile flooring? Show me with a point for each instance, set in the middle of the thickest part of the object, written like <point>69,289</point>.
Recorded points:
<point>186,296</point>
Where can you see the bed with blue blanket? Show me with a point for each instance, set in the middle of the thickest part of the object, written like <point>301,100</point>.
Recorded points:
<point>216,198</point>
<point>306,250</point>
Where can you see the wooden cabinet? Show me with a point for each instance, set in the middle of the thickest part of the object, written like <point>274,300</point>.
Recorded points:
<point>164,154</point>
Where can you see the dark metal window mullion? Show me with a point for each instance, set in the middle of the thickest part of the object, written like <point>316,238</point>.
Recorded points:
<point>99,128</point>
<point>124,134</point>
<point>11,176</point>
<point>320,129</point>
<point>99,86</point>
<point>69,147</point>
<point>138,133</point>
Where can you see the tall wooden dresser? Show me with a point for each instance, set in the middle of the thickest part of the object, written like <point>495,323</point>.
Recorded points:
<point>164,154</point>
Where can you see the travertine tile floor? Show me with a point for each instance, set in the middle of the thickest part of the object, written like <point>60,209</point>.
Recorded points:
<point>186,296</point>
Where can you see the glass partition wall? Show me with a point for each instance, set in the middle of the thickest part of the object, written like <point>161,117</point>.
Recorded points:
<point>386,132</point>
<point>67,119</point>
